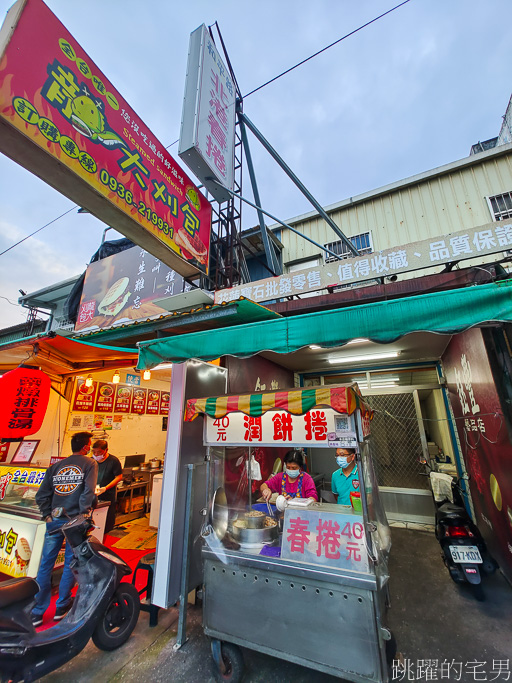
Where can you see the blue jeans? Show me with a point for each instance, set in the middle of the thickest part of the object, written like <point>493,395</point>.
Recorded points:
<point>52,545</point>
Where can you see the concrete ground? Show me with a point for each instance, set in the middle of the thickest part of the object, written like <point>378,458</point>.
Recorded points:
<point>431,617</point>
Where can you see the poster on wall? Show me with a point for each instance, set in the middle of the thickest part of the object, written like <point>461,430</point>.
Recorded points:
<point>123,399</point>
<point>153,407</point>
<point>21,543</point>
<point>484,440</point>
<point>84,396</point>
<point>117,421</point>
<point>139,399</point>
<point>164,402</point>
<point>105,398</point>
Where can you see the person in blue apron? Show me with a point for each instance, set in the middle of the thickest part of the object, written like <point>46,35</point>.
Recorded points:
<point>293,482</point>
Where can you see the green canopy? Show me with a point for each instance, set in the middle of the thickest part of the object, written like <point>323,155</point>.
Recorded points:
<point>446,312</point>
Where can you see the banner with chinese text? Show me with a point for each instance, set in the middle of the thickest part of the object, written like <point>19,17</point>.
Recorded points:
<point>98,151</point>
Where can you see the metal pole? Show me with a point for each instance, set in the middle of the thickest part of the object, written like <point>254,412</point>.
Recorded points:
<point>269,249</point>
<point>249,477</point>
<point>181,636</point>
<point>277,220</point>
<point>297,182</point>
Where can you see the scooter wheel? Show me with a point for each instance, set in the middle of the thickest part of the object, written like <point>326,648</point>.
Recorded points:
<point>233,660</point>
<point>119,619</point>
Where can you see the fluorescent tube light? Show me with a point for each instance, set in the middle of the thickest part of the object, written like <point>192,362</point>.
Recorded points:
<point>361,359</point>
<point>359,340</point>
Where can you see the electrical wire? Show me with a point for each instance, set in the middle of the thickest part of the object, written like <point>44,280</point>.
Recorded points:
<point>38,230</point>
<point>326,48</point>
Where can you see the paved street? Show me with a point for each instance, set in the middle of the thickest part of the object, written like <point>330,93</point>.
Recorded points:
<point>431,617</point>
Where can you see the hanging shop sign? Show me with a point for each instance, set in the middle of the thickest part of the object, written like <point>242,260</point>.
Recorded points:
<point>25,394</point>
<point>207,137</point>
<point>318,427</point>
<point>10,474</point>
<point>484,240</point>
<point>62,119</point>
<point>124,287</point>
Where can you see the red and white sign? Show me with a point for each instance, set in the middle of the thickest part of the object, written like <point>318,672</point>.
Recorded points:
<point>105,398</point>
<point>123,399</point>
<point>274,428</point>
<point>164,402</point>
<point>84,396</point>
<point>330,539</point>
<point>25,394</point>
<point>139,401</point>
<point>153,406</point>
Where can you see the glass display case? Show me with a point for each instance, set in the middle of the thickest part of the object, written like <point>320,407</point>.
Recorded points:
<point>20,499</point>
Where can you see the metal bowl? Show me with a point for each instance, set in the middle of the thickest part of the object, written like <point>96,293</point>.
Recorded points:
<point>255,536</point>
<point>219,513</point>
<point>256,522</point>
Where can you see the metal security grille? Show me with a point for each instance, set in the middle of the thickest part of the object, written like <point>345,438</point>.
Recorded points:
<point>501,206</point>
<point>395,443</point>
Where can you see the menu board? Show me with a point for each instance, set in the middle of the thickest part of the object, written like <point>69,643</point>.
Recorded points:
<point>84,396</point>
<point>105,398</point>
<point>139,399</point>
<point>153,406</point>
<point>164,402</point>
<point>123,399</point>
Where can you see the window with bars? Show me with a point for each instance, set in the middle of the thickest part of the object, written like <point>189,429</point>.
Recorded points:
<point>500,206</point>
<point>362,242</point>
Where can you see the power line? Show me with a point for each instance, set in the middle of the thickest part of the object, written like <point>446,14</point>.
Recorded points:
<point>38,230</point>
<point>326,48</point>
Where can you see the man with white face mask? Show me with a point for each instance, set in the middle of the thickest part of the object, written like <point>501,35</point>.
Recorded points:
<point>110,473</point>
<point>346,479</point>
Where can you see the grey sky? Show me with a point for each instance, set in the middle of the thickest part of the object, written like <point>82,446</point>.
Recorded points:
<point>409,93</point>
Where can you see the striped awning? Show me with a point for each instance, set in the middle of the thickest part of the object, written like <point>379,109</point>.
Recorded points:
<point>341,398</point>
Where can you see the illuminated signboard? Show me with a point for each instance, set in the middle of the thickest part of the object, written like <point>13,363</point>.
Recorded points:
<point>63,120</point>
<point>207,139</point>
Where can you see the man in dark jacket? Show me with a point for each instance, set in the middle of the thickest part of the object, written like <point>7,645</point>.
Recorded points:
<point>69,484</point>
<point>110,473</point>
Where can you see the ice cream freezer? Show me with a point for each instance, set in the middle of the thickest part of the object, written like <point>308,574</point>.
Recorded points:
<point>311,585</point>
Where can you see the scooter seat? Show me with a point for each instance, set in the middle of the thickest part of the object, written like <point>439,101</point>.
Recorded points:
<point>17,590</point>
<point>451,511</point>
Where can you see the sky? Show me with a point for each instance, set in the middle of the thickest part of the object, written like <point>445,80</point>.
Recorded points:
<point>406,94</point>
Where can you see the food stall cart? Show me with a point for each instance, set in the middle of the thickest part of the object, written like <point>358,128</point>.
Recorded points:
<point>316,592</point>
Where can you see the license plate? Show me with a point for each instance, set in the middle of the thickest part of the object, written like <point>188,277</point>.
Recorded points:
<point>465,553</point>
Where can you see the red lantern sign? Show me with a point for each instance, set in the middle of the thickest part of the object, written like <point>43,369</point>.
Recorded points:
<point>25,393</point>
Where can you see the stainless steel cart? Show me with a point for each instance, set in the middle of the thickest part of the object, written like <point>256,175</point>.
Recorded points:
<point>317,596</point>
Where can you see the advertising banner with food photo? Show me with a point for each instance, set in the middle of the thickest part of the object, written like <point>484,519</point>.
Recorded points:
<point>84,396</point>
<point>21,543</point>
<point>62,119</point>
<point>139,398</point>
<point>124,287</point>
<point>164,402</point>
<point>123,399</point>
<point>105,398</point>
<point>153,407</point>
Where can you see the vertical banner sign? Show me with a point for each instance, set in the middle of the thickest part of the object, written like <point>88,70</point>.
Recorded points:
<point>123,399</point>
<point>153,406</point>
<point>25,394</point>
<point>105,398</point>
<point>139,399</point>
<point>62,119</point>
<point>84,396</point>
<point>207,138</point>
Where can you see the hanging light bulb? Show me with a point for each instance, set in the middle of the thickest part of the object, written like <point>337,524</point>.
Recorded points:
<point>116,378</point>
<point>146,374</point>
<point>88,381</point>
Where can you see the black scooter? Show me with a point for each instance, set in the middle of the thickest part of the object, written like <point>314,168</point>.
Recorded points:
<point>104,609</point>
<point>464,551</point>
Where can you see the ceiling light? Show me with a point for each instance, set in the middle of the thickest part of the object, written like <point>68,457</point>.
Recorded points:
<point>363,359</point>
<point>146,374</point>
<point>88,381</point>
<point>163,366</point>
<point>314,346</point>
<point>378,386</point>
<point>116,378</point>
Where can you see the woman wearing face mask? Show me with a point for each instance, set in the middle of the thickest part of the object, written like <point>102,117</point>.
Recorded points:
<point>346,479</point>
<point>293,482</point>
